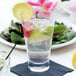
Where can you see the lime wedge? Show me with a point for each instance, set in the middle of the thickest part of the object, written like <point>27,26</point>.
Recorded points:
<point>49,30</point>
<point>23,11</point>
<point>38,37</point>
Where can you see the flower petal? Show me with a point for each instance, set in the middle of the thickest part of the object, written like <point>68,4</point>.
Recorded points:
<point>41,2</point>
<point>54,6</point>
<point>33,4</point>
<point>48,5</point>
<point>26,32</point>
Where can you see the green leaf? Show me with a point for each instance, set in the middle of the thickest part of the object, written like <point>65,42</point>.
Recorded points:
<point>59,29</point>
<point>70,35</point>
<point>16,26</point>
<point>15,38</point>
<point>55,42</point>
<point>63,41</point>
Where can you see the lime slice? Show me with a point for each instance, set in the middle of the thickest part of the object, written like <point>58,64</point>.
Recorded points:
<point>23,11</point>
<point>1,60</point>
<point>49,30</point>
<point>74,60</point>
<point>38,37</point>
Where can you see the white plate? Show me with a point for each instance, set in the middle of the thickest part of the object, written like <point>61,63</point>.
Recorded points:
<point>23,47</point>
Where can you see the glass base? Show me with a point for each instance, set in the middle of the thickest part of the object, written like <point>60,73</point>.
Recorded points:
<point>38,67</point>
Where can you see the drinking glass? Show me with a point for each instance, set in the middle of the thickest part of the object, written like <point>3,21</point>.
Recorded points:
<point>38,33</point>
<point>4,64</point>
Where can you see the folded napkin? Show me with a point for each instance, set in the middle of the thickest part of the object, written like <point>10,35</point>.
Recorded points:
<point>54,70</point>
<point>71,73</point>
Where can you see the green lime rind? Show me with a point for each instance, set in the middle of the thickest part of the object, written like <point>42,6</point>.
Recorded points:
<point>35,31</point>
<point>37,37</point>
<point>49,30</point>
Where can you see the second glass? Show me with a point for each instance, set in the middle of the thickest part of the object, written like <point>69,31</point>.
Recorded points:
<point>4,64</point>
<point>38,35</point>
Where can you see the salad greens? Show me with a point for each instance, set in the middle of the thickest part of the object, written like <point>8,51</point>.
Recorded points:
<point>14,33</point>
<point>62,33</point>
<point>15,38</point>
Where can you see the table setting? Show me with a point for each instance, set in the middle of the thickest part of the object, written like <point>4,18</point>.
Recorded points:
<point>38,38</point>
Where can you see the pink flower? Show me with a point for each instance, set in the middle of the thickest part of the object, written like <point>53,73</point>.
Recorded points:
<point>41,14</point>
<point>45,8</point>
<point>27,33</point>
<point>44,4</point>
<point>27,28</point>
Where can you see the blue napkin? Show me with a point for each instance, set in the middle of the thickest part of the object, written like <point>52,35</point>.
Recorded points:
<point>54,70</point>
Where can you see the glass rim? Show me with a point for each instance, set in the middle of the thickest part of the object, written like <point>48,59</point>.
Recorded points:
<point>40,18</point>
<point>36,18</point>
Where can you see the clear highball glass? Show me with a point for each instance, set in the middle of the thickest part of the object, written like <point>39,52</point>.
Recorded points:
<point>38,33</point>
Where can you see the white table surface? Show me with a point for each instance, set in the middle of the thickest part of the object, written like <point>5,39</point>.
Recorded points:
<point>62,56</point>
